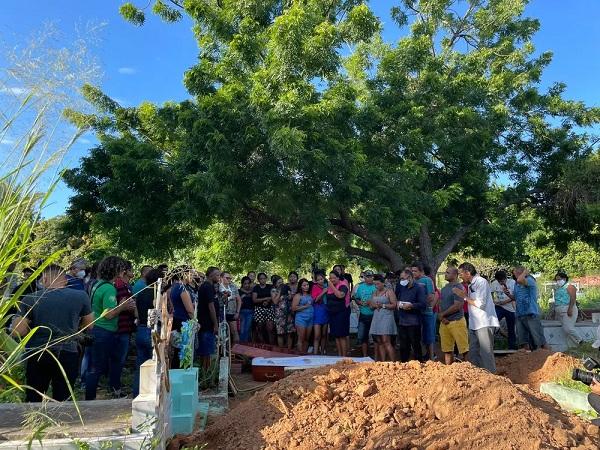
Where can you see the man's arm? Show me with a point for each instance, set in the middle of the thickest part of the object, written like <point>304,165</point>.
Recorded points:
<point>454,308</point>
<point>213,316</point>
<point>20,326</point>
<point>86,322</point>
<point>421,299</point>
<point>522,279</point>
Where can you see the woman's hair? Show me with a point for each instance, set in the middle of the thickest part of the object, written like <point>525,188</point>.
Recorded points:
<point>110,267</point>
<point>261,274</point>
<point>408,272</point>
<point>379,277</point>
<point>562,275</point>
<point>303,280</point>
<point>275,279</point>
<point>244,279</point>
<point>179,272</point>
<point>337,275</point>
<point>293,272</point>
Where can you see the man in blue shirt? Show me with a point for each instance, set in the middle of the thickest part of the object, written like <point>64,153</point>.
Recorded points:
<point>529,326</point>
<point>140,284</point>
<point>361,295</point>
<point>411,304</point>
<point>428,319</point>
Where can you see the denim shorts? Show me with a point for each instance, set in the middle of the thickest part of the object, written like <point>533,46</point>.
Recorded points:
<point>304,320</point>
<point>428,322</point>
<point>206,343</point>
<point>364,325</point>
<point>530,331</point>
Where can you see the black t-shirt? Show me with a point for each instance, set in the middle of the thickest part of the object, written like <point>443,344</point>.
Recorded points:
<point>144,300</point>
<point>57,312</point>
<point>206,296</point>
<point>335,304</point>
<point>262,292</point>
<point>246,297</point>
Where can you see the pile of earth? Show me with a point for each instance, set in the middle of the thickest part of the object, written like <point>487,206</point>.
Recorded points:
<point>533,368</point>
<point>397,406</point>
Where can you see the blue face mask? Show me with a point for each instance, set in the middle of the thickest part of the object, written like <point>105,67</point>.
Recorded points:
<point>403,282</point>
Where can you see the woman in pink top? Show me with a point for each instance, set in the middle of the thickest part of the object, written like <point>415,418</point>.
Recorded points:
<point>318,293</point>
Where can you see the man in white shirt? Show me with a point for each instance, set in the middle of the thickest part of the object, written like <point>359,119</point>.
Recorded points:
<point>482,317</point>
<point>503,293</point>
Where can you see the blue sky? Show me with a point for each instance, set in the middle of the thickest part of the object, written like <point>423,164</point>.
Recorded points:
<point>147,63</point>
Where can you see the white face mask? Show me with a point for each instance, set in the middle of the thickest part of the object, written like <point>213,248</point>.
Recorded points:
<point>561,283</point>
<point>80,274</point>
<point>403,282</point>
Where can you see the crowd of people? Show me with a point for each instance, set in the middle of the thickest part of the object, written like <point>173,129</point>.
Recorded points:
<point>399,315</point>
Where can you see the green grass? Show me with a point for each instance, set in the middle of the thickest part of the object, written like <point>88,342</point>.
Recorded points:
<point>590,298</point>
<point>584,350</point>
<point>566,381</point>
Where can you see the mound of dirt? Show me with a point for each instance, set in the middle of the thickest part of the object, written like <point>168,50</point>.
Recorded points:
<point>397,406</point>
<point>533,368</point>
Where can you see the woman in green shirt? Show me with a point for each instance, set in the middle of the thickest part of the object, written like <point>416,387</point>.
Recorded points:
<point>106,312</point>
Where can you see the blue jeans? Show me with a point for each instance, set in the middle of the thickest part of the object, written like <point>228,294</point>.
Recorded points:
<point>246,318</point>
<point>143,346</point>
<point>86,363</point>
<point>510,324</point>
<point>530,331</point>
<point>364,325</point>
<point>121,349</point>
<point>104,358</point>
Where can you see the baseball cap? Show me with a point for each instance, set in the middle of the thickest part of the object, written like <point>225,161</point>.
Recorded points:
<point>79,263</point>
<point>368,273</point>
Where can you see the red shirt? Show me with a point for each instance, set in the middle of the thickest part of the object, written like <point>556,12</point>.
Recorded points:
<point>126,323</point>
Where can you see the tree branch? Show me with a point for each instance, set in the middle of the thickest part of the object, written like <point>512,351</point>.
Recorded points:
<point>264,218</point>
<point>383,249</point>
<point>451,243</point>
<point>425,248</point>
<point>360,252</point>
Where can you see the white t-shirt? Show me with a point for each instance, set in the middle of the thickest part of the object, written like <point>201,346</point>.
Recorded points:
<point>483,313</point>
<point>499,295</point>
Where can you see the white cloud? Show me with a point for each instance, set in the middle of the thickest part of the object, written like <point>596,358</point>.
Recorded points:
<point>7,141</point>
<point>85,141</point>
<point>127,70</point>
<point>13,90</point>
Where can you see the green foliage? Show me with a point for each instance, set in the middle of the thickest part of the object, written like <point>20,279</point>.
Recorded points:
<point>132,14</point>
<point>572,208</point>
<point>137,16</point>
<point>579,259</point>
<point>306,132</point>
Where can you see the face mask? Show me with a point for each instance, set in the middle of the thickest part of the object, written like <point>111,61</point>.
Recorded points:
<point>80,274</point>
<point>403,282</point>
<point>561,283</point>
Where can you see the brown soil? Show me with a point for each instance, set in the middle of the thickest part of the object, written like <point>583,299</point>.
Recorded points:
<point>533,368</point>
<point>397,406</point>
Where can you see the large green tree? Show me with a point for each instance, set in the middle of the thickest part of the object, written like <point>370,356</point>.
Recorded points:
<point>306,129</point>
